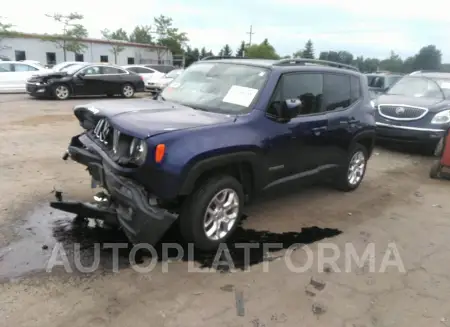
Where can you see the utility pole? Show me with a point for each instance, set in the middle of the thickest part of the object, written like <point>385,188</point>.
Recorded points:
<point>250,35</point>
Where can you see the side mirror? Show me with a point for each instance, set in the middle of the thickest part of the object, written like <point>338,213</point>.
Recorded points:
<point>81,74</point>
<point>290,108</point>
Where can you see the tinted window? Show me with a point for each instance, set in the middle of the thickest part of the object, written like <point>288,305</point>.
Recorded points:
<point>5,68</point>
<point>93,70</point>
<point>113,70</point>
<point>23,68</point>
<point>355,88</point>
<point>140,70</point>
<point>337,91</point>
<point>307,87</point>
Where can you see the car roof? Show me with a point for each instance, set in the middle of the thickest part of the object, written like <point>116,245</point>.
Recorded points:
<point>287,65</point>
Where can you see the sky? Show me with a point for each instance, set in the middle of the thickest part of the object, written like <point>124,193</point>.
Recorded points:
<point>367,28</point>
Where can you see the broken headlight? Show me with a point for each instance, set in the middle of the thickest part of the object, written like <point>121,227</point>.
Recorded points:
<point>138,151</point>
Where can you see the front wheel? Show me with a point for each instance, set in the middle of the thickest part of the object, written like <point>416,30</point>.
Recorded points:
<point>351,175</point>
<point>127,91</point>
<point>61,92</point>
<point>212,213</point>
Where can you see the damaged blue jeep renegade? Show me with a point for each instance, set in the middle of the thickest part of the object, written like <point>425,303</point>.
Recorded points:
<point>218,134</point>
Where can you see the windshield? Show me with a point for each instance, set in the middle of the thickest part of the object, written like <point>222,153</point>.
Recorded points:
<point>62,65</point>
<point>418,87</point>
<point>72,68</point>
<point>217,87</point>
<point>174,73</point>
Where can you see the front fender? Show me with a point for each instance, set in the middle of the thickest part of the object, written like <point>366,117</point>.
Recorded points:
<point>196,168</point>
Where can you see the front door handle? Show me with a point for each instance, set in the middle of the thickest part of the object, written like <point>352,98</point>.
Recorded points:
<point>318,130</point>
<point>353,121</point>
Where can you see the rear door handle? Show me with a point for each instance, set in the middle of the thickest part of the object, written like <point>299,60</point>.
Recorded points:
<point>353,121</point>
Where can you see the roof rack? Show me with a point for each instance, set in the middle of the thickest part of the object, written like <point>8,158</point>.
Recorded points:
<point>223,57</point>
<point>304,61</point>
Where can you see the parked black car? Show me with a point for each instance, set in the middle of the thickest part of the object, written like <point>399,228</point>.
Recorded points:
<point>380,82</point>
<point>85,79</point>
<point>415,110</point>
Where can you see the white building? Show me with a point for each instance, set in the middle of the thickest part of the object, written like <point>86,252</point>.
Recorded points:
<point>33,47</point>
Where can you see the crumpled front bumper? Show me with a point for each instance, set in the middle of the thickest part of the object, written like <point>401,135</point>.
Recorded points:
<point>142,222</point>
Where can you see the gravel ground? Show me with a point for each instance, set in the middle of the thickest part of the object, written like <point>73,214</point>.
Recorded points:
<point>397,208</point>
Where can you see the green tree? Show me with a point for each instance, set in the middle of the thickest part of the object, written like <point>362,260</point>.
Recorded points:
<point>297,54</point>
<point>169,36</point>
<point>5,29</point>
<point>428,58</point>
<point>308,52</point>
<point>119,35</point>
<point>70,40</point>
<point>226,51</point>
<point>141,34</point>
<point>393,64</point>
<point>203,53</point>
<point>264,50</point>
<point>240,52</point>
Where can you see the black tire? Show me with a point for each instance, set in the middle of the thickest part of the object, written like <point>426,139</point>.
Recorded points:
<point>194,209</point>
<point>342,181</point>
<point>61,91</point>
<point>127,90</point>
<point>435,170</point>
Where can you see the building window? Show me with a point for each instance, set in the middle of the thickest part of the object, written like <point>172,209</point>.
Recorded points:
<point>130,61</point>
<point>20,55</point>
<point>51,58</point>
<point>79,57</point>
<point>103,58</point>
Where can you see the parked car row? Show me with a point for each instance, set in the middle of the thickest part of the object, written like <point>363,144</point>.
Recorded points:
<point>73,78</point>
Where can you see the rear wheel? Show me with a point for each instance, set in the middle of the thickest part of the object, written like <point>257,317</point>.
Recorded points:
<point>212,213</point>
<point>61,92</point>
<point>127,90</point>
<point>351,175</point>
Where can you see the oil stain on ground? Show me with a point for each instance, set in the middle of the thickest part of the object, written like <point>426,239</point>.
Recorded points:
<point>83,242</point>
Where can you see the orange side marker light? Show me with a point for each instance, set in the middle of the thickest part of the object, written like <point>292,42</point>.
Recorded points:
<point>159,152</point>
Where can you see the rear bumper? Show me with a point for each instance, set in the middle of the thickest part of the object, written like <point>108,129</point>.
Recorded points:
<point>406,134</point>
<point>142,222</point>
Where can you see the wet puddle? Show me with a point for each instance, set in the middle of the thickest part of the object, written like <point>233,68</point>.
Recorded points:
<point>87,242</point>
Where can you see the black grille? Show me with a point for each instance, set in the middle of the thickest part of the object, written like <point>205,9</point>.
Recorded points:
<point>114,142</point>
<point>401,112</point>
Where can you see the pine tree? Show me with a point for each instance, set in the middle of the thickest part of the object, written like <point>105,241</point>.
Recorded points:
<point>241,50</point>
<point>309,50</point>
<point>226,51</point>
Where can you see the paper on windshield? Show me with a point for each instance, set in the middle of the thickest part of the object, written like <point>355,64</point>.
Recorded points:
<point>240,95</point>
<point>445,85</point>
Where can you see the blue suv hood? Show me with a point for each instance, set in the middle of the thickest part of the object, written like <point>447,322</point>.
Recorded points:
<point>143,118</point>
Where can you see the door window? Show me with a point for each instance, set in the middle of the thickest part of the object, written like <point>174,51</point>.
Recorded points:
<point>93,70</point>
<point>113,70</point>
<point>141,70</point>
<point>337,92</point>
<point>306,87</point>
<point>355,89</point>
<point>24,68</point>
<point>5,68</point>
